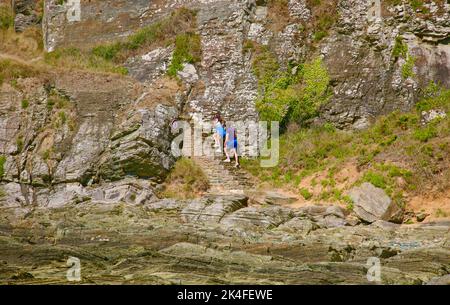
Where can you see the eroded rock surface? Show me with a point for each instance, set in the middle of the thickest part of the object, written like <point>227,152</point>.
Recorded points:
<point>175,242</point>
<point>84,128</point>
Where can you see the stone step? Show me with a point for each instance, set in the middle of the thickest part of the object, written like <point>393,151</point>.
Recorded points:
<point>224,178</point>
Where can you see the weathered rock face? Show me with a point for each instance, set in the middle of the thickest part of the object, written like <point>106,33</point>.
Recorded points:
<point>366,79</point>
<point>84,128</point>
<point>27,13</point>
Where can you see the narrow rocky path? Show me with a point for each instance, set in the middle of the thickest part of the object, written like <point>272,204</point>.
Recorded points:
<point>223,177</point>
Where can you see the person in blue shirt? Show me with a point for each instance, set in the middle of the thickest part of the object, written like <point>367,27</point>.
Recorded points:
<point>219,132</point>
<point>231,145</point>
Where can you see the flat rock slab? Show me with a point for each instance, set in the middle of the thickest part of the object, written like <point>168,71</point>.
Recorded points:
<point>254,217</point>
<point>213,208</point>
<point>278,198</point>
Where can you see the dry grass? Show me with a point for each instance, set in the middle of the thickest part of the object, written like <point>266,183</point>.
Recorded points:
<point>11,70</point>
<point>73,58</point>
<point>26,45</point>
<point>186,181</point>
<point>110,57</point>
<point>278,14</point>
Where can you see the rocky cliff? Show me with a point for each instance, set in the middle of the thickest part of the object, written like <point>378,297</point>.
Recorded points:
<point>358,41</point>
<point>85,131</point>
<point>60,126</point>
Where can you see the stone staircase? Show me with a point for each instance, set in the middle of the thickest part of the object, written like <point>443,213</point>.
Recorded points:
<point>223,177</point>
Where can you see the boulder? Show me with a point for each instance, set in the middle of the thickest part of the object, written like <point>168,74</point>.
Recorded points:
<point>188,74</point>
<point>150,66</point>
<point>431,115</point>
<point>372,204</point>
<point>140,147</point>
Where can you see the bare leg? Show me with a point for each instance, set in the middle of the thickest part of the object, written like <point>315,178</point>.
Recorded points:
<point>216,139</point>
<point>227,154</point>
<point>236,157</point>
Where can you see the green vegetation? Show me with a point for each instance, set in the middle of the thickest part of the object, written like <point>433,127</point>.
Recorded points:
<point>11,70</point>
<point>426,133</point>
<point>19,143</point>
<point>408,66</point>
<point>397,153</point>
<point>187,50</point>
<point>75,58</point>
<point>185,181</point>
<point>2,166</point>
<point>293,95</point>
<point>306,194</point>
<point>25,103</point>
<point>175,29</point>
<point>375,178</point>
<point>6,17</point>
<point>435,98</point>
<point>62,117</point>
<point>400,50</point>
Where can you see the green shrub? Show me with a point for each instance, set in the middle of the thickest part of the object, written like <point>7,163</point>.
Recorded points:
<point>187,50</point>
<point>434,97</point>
<point>400,48</point>
<point>287,96</point>
<point>407,121</point>
<point>6,17</point>
<point>408,66</point>
<point>108,52</point>
<point>306,194</point>
<point>426,133</point>
<point>25,104</point>
<point>314,92</point>
<point>376,179</point>
<point>2,166</point>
